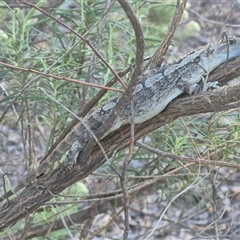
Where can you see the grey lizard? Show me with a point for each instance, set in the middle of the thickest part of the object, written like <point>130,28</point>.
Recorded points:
<point>155,90</point>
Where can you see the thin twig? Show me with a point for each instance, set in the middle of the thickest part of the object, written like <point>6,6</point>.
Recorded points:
<point>137,72</point>
<point>132,189</point>
<point>188,159</point>
<point>102,24</point>
<point>212,21</point>
<point>80,36</point>
<point>123,178</point>
<point>83,112</point>
<point>46,71</point>
<point>162,49</point>
<point>80,120</point>
<point>125,98</point>
<point>4,186</point>
<point>106,225</point>
<point>60,78</point>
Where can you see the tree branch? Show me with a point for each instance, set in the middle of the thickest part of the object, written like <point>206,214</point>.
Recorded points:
<point>163,47</point>
<point>49,186</point>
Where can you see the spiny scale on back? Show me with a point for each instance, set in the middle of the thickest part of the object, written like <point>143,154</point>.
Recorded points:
<point>155,90</point>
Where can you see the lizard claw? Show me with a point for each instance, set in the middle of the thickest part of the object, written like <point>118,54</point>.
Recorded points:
<point>212,85</point>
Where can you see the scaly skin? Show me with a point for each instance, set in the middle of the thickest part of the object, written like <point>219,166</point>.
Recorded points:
<point>155,90</point>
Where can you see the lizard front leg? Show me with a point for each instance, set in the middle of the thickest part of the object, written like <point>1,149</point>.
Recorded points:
<point>195,88</point>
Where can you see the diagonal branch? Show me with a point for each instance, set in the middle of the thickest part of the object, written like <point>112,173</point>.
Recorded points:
<point>126,96</point>
<point>60,78</point>
<point>163,47</point>
<point>49,186</point>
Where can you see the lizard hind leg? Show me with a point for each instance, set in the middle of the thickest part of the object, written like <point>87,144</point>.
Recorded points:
<point>71,159</point>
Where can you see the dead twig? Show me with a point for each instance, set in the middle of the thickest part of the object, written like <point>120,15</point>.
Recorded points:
<point>162,49</point>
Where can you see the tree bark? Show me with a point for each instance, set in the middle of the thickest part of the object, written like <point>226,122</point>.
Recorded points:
<point>51,185</point>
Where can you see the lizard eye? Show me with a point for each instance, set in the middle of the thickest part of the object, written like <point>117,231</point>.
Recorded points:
<point>197,59</point>
<point>232,41</point>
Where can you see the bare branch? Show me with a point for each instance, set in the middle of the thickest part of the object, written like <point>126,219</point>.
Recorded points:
<point>134,81</point>
<point>129,91</point>
<point>48,185</point>
<point>60,78</point>
<point>83,112</point>
<point>163,47</point>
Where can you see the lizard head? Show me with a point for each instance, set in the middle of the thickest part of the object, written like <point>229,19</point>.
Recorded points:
<point>218,53</point>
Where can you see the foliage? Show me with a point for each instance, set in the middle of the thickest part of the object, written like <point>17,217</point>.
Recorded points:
<point>30,40</point>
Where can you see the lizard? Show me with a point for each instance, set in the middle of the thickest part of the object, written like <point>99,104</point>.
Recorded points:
<point>155,90</point>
